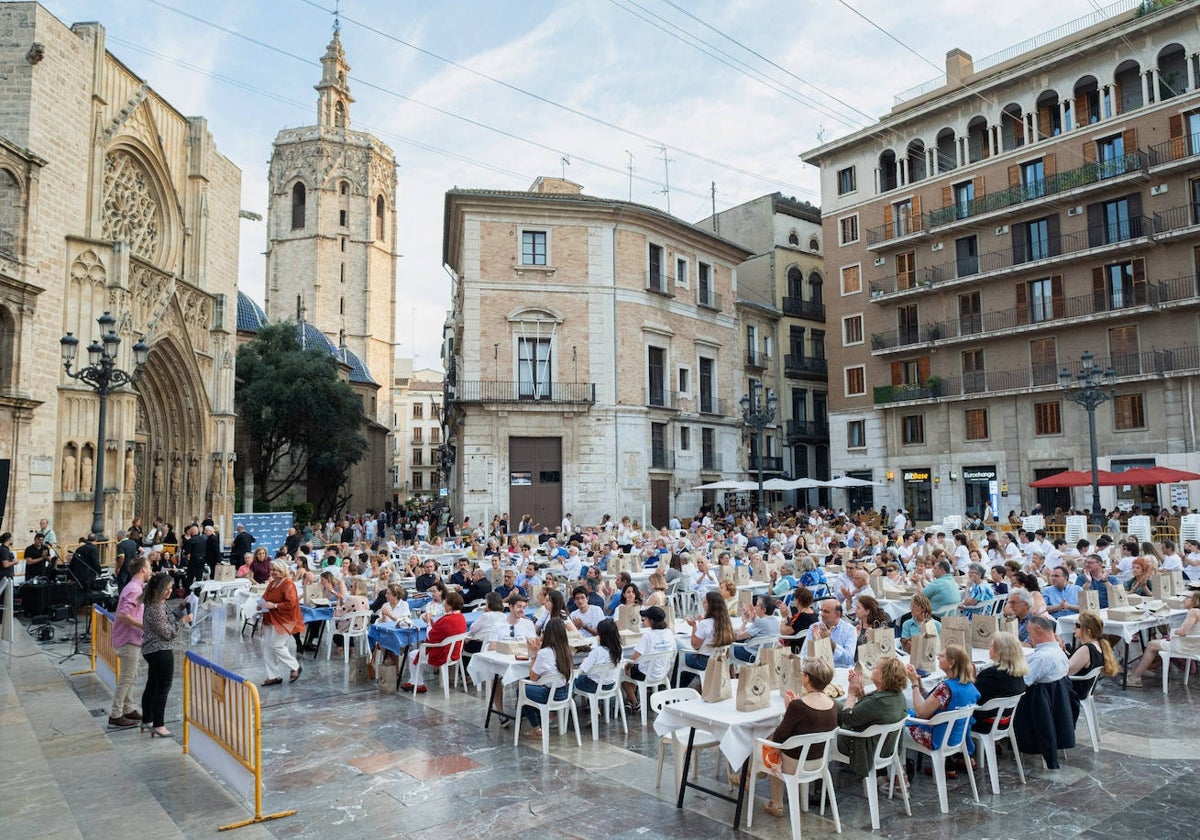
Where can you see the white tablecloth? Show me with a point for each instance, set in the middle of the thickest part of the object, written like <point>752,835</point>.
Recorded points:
<point>219,588</point>
<point>734,730</point>
<point>487,665</point>
<point>1127,630</point>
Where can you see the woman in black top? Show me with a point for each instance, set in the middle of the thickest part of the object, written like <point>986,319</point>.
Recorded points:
<point>1005,677</point>
<point>1093,651</point>
<point>8,561</point>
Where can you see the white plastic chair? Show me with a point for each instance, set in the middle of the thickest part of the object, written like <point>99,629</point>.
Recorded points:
<point>888,749</point>
<point>1166,656</point>
<point>755,645</point>
<point>564,708</point>
<point>677,739</point>
<point>998,708</point>
<point>683,668</point>
<point>950,744</point>
<point>609,697</point>
<point>356,628</point>
<point>796,784</point>
<point>997,604</point>
<point>1088,704</point>
<point>646,664</point>
<point>250,616</point>
<point>452,667</point>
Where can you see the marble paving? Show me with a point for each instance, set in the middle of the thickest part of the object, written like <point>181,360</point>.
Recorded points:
<point>353,761</point>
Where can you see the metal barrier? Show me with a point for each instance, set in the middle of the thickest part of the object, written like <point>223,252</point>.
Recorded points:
<point>222,729</point>
<point>102,652</point>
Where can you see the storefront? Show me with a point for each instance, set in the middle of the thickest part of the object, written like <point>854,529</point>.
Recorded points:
<point>918,494</point>
<point>980,488</point>
<point>1129,496</point>
<point>860,498</point>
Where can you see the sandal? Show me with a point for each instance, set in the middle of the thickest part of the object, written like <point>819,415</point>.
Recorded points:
<point>775,809</point>
<point>276,681</point>
<point>296,674</point>
<point>1134,681</point>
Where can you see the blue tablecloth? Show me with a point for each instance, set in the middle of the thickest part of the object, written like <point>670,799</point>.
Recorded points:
<point>311,614</point>
<point>471,616</point>
<point>395,639</point>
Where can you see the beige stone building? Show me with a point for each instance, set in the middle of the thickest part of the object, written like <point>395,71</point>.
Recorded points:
<point>111,201</point>
<point>594,362</point>
<point>417,431</point>
<point>331,252</point>
<point>1001,221</point>
<point>781,306</point>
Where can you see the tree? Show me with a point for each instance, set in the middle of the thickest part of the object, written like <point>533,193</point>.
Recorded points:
<point>296,413</point>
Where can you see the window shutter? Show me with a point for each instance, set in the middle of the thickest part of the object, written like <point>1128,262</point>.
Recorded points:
<point>887,221</point>
<point>1014,176</point>
<point>1056,295</point>
<point>1095,221</point>
<point>1053,232</point>
<point>979,193</point>
<point>1178,142</point>
<point>1135,213</point>
<point>1043,121</point>
<point>1129,137</point>
<point>923,370</point>
<point>1139,281</point>
<point>1116,98</point>
<point>1089,151</point>
<point>917,223</point>
<point>1098,289</point>
<point>947,196</point>
<point>1019,235</point>
<point>1049,166</point>
<point>1081,110</point>
<point>1022,304</point>
<point>896,380</point>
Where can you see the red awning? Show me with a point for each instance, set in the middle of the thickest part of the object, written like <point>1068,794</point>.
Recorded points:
<point>1081,478</point>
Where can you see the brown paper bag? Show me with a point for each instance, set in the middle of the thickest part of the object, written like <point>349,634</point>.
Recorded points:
<point>358,670</point>
<point>741,575</point>
<point>790,670</point>
<point>495,577</point>
<point>534,593</point>
<point>771,655</point>
<point>758,569</point>
<point>617,564</point>
<point>820,649</point>
<point>1117,596</point>
<point>629,618</point>
<point>1089,601</point>
<point>983,629</point>
<point>637,563</point>
<point>1011,625</point>
<point>1164,585</point>
<point>313,590</point>
<point>754,688</point>
<point>876,582</point>
<point>725,572</point>
<point>745,599</point>
<point>225,572</point>
<point>716,679</point>
<point>881,642</point>
<point>388,676</point>
<point>956,630</point>
<point>926,646</point>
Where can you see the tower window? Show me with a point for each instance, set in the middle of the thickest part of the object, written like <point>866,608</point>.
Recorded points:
<point>345,188</point>
<point>341,306</point>
<point>298,197</point>
<point>339,115</point>
<point>379,218</point>
<point>342,218</point>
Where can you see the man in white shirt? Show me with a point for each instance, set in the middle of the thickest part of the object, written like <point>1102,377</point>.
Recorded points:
<point>516,627</point>
<point>1172,562</point>
<point>586,616</point>
<point>900,522</point>
<point>573,564</point>
<point>704,577</point>
<point>566,527</point>
<point>1047,661</point>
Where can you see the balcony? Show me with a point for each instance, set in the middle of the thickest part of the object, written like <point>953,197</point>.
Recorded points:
<point>1174,222</point>
<point>660,284</point>
<point>711,300</point>
<point>757,360</point>
<point>8,243</point>
<point>807,430</point>
<point>1061,182</point>
<point>1174,150</point>
<point>561,393</point>
<point>711,461</point>
<point>1049,251</point>
<point>810,310</point>
<point>805,366</point>
<point>1048,314</point>
<point>663,399</point>
<point>661,459</point>
<point>904,228</point>
<point>1040,377</point>
<point>770,463</point>
<point>713,407</point>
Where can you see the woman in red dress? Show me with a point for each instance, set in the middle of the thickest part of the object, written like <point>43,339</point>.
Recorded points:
<point>451,623</point>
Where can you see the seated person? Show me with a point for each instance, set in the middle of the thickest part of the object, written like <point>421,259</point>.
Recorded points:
<point>550,669</point>
<point>1062,596</point>
<point>886,704</point>
<point>1047,661</point>
<point>801,618</point>
<point>843,638</point>
<point>1020,607</point>
<point>709,633</point>
<point>478,588</point>
<point>1005,677</point>
<point>354,602</point>
<point>956,690</point>
<point>810,712</point>
<point>623,580</point>
<point>1094,651</point>
<point>602,666</point>
<point>529,577</point>
<point>428,576</point>
<point>485,622</point>
<point>434,609</point>
<point>979,591</point>
<point>759,621</point>
<point>921,613</point>
<point>586,617</point>
<point>462,577</point>
<point>942,591</point>
<point>510,586</point>
<point>450,623</point>
<point>394,609</point>
<point>656,638</point>
<point>515,625</point>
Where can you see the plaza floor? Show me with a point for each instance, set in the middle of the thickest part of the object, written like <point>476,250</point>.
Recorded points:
<point>354,762</point>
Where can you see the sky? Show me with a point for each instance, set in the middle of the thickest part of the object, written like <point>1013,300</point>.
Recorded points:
<point>716,98</point>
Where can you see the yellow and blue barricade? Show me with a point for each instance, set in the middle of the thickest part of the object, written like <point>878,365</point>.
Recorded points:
<point>222,729</point>
<point>104,662</point>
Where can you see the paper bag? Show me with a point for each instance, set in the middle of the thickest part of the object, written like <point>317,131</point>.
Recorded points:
<point>617,565</point>
<point>1117,596</point>
<point>1011,625</point>
<point>820,649</point>
<point>629,618</point>
<point>876,582</point>
<point>956,630</point>
<point>637,563</point>
<point>358,670</point>
<point>745,599</point>
<point>1089,601</point>
<point>881,642</point>
<point>495,577</point>
<point>725,572</point>
<point>1164,585</point>
<point>983,630</point>
<point>534,593</point>
<point>771,656</point>
<point>716,679</point>
<point>741,575</point>
<point>790,670</point>
<point>388,677</point>
<point>313,590</point>
<point>926,646</point>
<point>225,572</point>
<point>758,569</point>
<point>754,688</point>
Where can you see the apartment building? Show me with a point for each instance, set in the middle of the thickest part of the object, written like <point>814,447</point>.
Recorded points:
<point>1029,208</point>
<point>593,357</point>
<point>781,306</point>
<point>417,431</point>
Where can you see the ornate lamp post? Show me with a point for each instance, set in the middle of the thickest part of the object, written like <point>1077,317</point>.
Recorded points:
<point>104,377</point>
<point>1092,387</point>
<point>758,414</point>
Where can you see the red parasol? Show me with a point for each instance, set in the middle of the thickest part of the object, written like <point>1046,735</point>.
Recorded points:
<point>1080,478</point>
<point>1155,475</point>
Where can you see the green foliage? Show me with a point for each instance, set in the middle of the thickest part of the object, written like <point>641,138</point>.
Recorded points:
<point>303,512</point>
<point>296,412</point>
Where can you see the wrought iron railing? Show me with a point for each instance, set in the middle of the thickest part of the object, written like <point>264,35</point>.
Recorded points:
<point>793,364</point>
<point>577,393</point>
<point>799,308</point>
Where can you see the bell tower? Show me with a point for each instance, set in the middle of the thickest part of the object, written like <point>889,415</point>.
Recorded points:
<point>333,93</point>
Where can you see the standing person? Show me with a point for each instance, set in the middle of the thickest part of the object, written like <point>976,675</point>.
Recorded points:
<point>281,619</point>
<point>195,550</point>
<point>8,560</point>
<point>212,550</point>
<point>159,630</point>
<point>243,543</point>
<point>37,558</point>
<point>127,642</point>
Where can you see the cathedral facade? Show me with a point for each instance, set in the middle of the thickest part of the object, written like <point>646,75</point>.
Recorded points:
<point>115,202</point>
<point>331,255</point>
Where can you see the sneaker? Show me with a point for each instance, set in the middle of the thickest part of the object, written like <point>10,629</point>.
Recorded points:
<point>121,722</point>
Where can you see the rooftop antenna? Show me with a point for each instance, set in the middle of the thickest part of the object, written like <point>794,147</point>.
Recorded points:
<point>820,134</point>
<point>629,166</point>
<point>565,160</point>
<point>666,190</point>
<point>716,221</point>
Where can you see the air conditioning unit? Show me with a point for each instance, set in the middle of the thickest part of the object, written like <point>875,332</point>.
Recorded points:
<point>937,246</point>
<point>1158,190</point>
<point>1074,211</point>
<point>880,261</point>
<point>1003,229</point>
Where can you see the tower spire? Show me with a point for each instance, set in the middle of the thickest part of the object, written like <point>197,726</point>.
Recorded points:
<point>333,93</point>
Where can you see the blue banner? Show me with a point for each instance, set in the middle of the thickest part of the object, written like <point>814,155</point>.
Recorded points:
<point>268,529</point>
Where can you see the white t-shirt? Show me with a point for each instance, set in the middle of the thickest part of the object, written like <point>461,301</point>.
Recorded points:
<point>1171,563</point>
<point>599,666</point>
<point>656,641</point>
<point>704,631</point>
<point>504,631</point>
<point>592,616</point>
<point>962,558</point>
<point>481,629</point>
<point>545,668</point>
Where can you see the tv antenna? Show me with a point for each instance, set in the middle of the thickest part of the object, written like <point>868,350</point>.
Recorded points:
<point>666,190</point>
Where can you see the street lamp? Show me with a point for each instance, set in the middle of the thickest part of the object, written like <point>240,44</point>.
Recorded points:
<point>104,377</point>
<point>757,414</point>
<point>1093,387</point>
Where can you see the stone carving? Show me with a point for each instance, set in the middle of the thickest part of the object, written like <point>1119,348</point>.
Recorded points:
<point>86,473</point>
<point>193,482</point>
<point>87,268</point>
<point>177,474</point>
<point>131,212</point>
<point>130,471</point>
<point>70,475</point>
<point>158,474</point>
<point>230,485</point>
<point>214,485</point>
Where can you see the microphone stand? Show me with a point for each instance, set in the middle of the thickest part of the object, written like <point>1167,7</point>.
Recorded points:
<point>76,638</point>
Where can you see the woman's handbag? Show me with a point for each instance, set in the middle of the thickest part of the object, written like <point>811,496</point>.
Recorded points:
<point>716,679</point>
<point>754,688</point>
